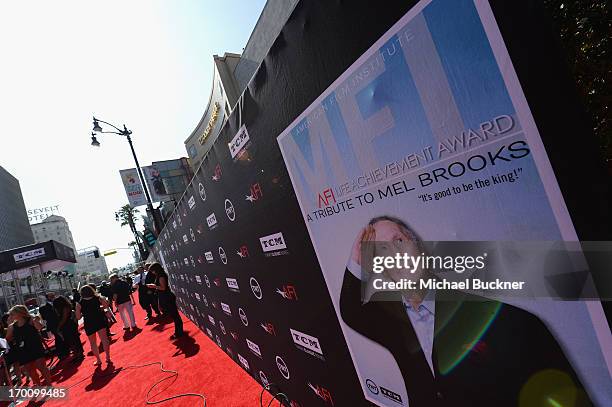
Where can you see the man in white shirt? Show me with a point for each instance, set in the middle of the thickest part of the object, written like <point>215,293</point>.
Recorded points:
<point>460,350</point>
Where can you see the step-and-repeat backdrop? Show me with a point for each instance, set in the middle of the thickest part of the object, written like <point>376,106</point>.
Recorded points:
<point>415,114</point>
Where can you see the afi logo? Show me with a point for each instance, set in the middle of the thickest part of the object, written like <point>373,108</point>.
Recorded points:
<point>217,175</point>
<point>269,328</point>
<point>288,292</point>
<point>255,193</point>
<point>243,252</point>
<point>326,197</point>
<point>323,393</point>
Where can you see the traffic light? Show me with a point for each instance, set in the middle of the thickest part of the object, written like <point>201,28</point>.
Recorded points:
<point>149,237</point>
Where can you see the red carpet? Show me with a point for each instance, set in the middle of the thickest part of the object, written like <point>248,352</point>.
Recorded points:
<point>202,368</point>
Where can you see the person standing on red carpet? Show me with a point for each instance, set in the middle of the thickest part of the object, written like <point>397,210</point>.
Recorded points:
<point>121,296</point>
<point>167,299</point>
<point>91,308</point>
<point>30,351</point>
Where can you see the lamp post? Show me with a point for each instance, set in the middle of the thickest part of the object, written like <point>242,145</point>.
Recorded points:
<point>126,133</point>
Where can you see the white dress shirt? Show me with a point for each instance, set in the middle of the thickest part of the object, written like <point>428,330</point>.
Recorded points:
<point>422,319</point>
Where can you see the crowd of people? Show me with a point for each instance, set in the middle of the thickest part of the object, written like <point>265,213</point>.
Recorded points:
<point>24,351</point>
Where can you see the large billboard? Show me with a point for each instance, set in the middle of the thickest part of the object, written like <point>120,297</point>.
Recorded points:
<point>428,137</point>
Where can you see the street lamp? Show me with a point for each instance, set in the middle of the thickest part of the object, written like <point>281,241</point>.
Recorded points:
<point>126,133</point>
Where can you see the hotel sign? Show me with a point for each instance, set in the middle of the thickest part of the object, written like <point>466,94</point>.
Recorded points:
<point>211,123</point>
<point>40,214</point>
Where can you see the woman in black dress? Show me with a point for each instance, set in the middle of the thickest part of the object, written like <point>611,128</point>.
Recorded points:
<point>24,330</point>
<point>167,299</point>
<point>68,327</point>
<point>94,320</point>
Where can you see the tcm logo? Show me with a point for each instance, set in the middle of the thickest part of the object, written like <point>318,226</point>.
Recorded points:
<point>209,332</point>
<point>192,234</point>
<point>222,328</point>
<point>306,342</point>
<point>198,279</point>
<point>391,395</point>
<point>229,210</point>
<point>322,392</point>
<point>326,198</point>
<point>282,367</point>
<point>206,280</point>
<point>185,238</point>
<point>226,308</point>
<point>191,202</point>
<point>211,220</point>
<point>243,252</point>
<point>255,193</point>
<point>273,242</point>
<point>243,317</point>
<point>197,296</point>
<point>253,347</point>
<point>288,292</point>
<point>256,288</point>
<point>243,362</point>
<point>211,319</point>
<point>232,284</point>
<point>239,141</point>
<point>209,257</point>
<point>217,174</point>
<point>269,328</point>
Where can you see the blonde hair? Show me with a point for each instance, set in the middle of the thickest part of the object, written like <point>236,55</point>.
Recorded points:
<point>20,310</point>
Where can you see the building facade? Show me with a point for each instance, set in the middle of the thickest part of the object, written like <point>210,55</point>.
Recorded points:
<point>14,225</point>
<point>223,97</point>
<point>232,73</point>
<point>90,265</point>
<point>56,228</point>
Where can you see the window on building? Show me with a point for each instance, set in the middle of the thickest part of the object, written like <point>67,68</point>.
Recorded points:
<point>192,151</point>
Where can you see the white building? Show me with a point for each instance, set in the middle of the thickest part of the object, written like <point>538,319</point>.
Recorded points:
<point>53,228</point>
<point>88,263</point>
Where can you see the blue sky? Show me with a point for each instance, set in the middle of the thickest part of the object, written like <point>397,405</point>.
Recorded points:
<point>147,64</point>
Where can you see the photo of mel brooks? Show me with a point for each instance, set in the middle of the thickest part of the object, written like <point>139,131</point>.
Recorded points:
<point>459,351</point>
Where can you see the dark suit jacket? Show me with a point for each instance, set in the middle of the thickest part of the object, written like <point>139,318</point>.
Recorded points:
<point>47,312</point>
<point>485,353</point>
